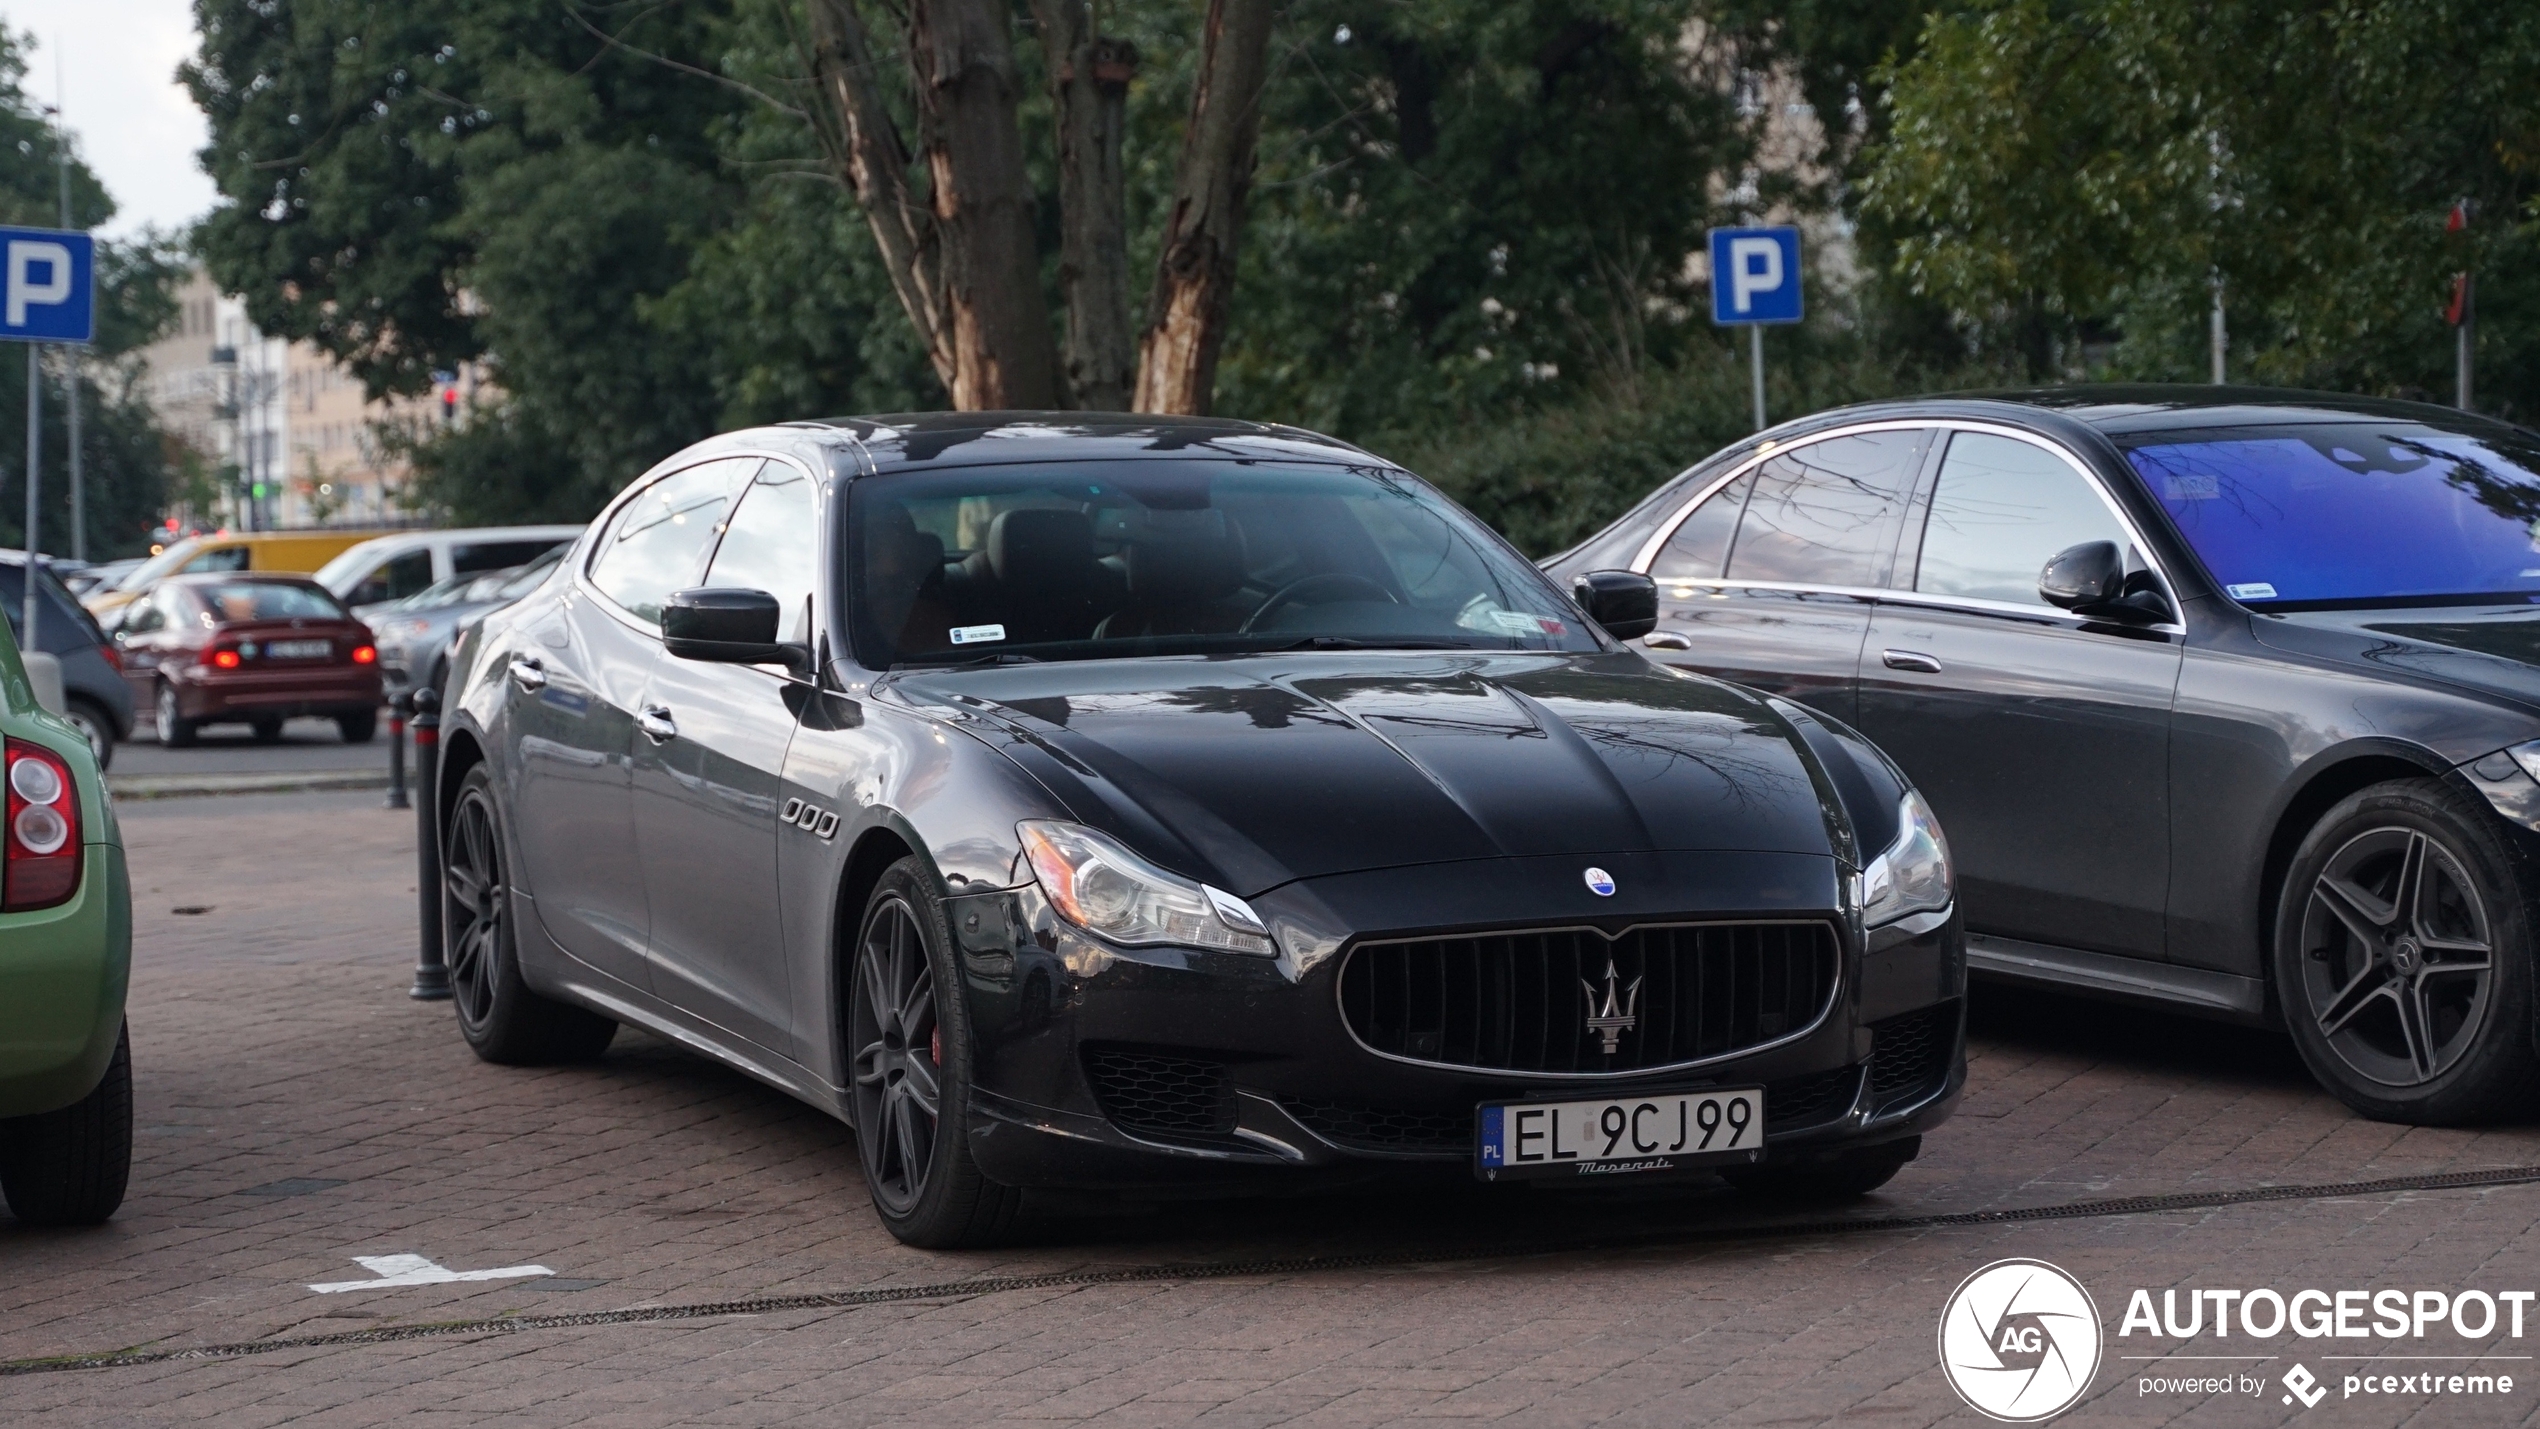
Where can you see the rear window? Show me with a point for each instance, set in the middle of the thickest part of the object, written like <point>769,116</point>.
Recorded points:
<point>233,601</point>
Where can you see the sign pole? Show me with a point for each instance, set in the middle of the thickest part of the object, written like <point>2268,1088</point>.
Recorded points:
<point>1755,359</point>
<point>34,450</point>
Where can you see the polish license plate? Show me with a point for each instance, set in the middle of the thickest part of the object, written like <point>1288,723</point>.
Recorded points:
<point>1666,1131</point>
<point>300,649</point>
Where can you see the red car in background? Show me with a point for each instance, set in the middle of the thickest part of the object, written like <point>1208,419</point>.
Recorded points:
<point>249,649</point>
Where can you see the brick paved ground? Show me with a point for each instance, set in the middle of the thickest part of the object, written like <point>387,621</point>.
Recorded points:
<point>297,1110</point>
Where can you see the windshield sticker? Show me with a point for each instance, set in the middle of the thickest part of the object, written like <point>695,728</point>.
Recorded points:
<point>982,634</point>
<point>2192,488</point>
<point>2252,590</point>
<point>1493,621</point>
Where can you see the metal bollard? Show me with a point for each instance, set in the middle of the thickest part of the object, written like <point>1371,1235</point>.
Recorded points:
<point>432,976</point>
<point>397,750</point>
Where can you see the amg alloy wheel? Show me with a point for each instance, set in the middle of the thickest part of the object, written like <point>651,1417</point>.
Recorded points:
<point>2400,960</point>
<point>503,1019</point>
<point>910,1047</point>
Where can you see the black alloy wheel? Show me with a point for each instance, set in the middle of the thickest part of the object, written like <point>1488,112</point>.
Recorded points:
<point>908,1039</point>
<point>898,1055</point>
<point>2402,961</point>
<point>475,908</point>
<point>503,1019</point>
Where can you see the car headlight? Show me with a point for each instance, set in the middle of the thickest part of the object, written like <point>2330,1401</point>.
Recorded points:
<point>1106,890</point>
<point>1912,874</point>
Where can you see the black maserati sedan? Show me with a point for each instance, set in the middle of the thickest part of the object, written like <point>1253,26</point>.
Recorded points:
<point>1177,804</point>
<point>2228,698</point>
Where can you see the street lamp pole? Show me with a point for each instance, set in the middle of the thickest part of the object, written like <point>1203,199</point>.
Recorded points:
<point>70,384</point>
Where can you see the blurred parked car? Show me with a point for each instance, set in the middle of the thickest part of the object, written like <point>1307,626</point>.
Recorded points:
<point>415,634</point>
<point>252,650</point>
<point>65,961</point>
<point>95,696</point>
<point>291,552</point>
<point>83,579</point>
<point>410,562</point>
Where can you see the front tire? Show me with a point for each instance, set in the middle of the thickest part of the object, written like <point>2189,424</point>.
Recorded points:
<point>2402,957</point>
<point>911,1073</point>
<point>70,1167</point>
<point>175,730</point>
<point>503,1019</point>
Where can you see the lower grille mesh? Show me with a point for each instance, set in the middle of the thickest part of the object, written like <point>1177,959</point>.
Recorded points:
<point>1910,1055</point>
<point>1148,1091</point>
<point>1382,1129</point>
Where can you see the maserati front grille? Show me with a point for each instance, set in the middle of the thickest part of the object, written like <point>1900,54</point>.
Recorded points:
<point>1570,1001</point>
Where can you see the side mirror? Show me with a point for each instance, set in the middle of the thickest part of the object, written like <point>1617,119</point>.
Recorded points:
<point>732,627</point>
<point>2092,573</point>
<point>1624,602</point>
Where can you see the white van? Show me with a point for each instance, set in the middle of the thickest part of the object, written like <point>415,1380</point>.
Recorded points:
<point>393,567</point>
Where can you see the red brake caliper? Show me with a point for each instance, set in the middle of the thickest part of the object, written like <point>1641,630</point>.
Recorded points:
<point>935,1046</point>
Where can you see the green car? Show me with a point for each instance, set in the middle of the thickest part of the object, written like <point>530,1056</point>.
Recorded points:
<point>65,959</point>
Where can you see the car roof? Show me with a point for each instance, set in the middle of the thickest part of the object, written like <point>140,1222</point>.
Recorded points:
<point>236,577</point>
<point>2125,410</point>
<point>900,440</point>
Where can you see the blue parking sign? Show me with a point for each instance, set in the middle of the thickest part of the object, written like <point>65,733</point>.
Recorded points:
<point>48,285</point>
<point>1754,276</point>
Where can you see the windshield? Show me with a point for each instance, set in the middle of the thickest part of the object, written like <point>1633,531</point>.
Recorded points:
<point>232,601</point>
<point>1076,561</point>
<point>2354,515</point>
<point>341,569</point>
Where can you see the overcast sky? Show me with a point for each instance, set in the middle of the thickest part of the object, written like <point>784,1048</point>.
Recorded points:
<point>131,120</point>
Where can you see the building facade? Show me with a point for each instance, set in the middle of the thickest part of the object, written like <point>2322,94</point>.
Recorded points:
<point>285,430</point>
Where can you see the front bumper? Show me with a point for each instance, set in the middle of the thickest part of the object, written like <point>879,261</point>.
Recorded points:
<point>1090,1059</point>
<point>63,974</point>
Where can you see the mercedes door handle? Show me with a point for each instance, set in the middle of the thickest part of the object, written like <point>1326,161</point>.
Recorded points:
<point>1665,640</point>
<point>527,673</point>
<point>1909,660</point>
<point>655,722</point>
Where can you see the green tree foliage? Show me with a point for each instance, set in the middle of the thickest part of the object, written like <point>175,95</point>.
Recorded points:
<point>2064,172</point>
<point>123,467</point>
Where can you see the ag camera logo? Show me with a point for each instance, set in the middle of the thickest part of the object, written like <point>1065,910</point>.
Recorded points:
<point>2020,1341</point>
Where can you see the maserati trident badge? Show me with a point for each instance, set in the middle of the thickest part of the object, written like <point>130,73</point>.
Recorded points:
<point>1600,882</point>
<point>1621,1012</point>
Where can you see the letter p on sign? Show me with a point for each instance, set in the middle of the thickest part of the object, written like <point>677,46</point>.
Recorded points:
<point>47,286</point>
<point>1755,276</point>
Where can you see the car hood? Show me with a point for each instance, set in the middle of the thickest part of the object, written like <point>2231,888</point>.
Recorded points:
<point>1255,771</point>
<point>2493,649</point>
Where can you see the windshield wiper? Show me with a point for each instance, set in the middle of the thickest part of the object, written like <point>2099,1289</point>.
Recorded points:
<point>980,662</point>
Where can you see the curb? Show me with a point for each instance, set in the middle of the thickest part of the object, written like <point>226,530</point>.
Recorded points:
<point>188,786</point>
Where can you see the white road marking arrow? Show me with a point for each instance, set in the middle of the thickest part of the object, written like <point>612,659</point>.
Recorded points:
<point>396,1270</point>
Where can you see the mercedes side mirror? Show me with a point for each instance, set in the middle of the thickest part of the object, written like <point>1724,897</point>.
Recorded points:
<point>1625,603</point>
<point>727,626</point>
<point>2092,573</point>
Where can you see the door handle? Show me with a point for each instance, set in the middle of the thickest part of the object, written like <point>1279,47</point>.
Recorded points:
<point>1665,640</point>
<point>1909,660</point>
<point>527,673</point>
<point>655,722</point>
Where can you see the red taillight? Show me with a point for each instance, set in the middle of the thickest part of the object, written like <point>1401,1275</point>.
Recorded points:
<point>365,654</point>
<point>224,659</point>
<point>113,656</point>
<point>39,849</point>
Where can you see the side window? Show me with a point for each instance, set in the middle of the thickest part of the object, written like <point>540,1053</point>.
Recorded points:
<point>1699,549</point>
<point>223,558</point>
<point>1826,514</point>
<point>659,540</point>
<point>394,579</point>
<point>142,617</point>
<point>2001,509</point>
<point>496,555</point>
<point>773,544</point>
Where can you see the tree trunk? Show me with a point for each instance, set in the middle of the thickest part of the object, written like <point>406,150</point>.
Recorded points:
<point>1089,88</point>
<point>864,146</point>
<point>962,259</point>
<point>1003,352</point>
<point>1195,271</point>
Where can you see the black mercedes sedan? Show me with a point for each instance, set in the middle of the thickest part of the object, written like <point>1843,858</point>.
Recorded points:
<point>1177,804</point>
<point>2228,698</point>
